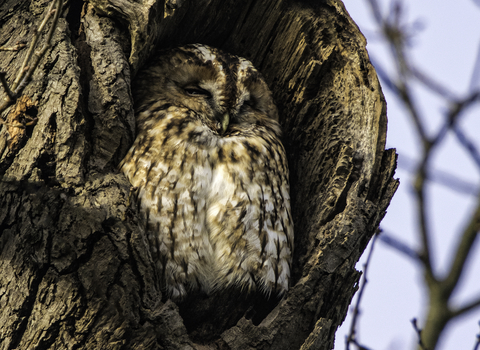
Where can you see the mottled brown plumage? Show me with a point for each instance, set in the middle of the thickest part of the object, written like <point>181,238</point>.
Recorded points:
<point>210,174</point>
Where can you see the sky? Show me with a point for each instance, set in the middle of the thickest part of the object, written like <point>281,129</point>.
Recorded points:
<point>446,47</point>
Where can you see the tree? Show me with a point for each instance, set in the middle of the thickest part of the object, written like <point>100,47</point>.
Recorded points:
<point>76,272</point>
<point>403,80</point>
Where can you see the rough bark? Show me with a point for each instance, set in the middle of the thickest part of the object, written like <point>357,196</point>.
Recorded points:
<point>75,268</point>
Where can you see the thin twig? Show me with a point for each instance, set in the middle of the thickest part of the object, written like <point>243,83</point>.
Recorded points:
<point>423,166</point>
<point>477,343</point>
<point>397,45</point>
<point>39,55</point>
<point>419,334</point>
<point>399,246</point>
<point>466,308</point>
<point>425,232</point>
<point>377,13</point>
<point>4,82</point>
<point>351,338</point>
<point>456,110</point>
<point>384,76</point>
<point>359,346</point>
<point>432,85</point>
<point>459,108</point>
<point>468,145</point>
<point>31,61</point>
<point>440,177</point>
<point>33,44</point>
<point>405,92</point>
<point>18,46</point>
<point>440,290</point>
<point>465,246</point>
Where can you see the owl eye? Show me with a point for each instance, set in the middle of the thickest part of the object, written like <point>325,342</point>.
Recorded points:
<point>196,91</point>
<point>250,102</point>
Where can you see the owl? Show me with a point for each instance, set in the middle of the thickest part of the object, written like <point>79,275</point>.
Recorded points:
<point>210,174</point>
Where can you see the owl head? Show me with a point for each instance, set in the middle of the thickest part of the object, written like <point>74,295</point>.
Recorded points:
<point>224,90</point>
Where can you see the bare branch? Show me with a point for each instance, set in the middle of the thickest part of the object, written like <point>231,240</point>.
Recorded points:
<point>456,110</point>
<point>4,82</point>
<point>468,145</point>
<point>440,177</point>
<point>419,185</point>
<point>377,13</point>
<point>397,35</point>
<point>33,44</point>
<point>32,59</point>
<point>359,346</point>
<point>433,85</point>
<point>477,343</point>
<point>382,73</point>
<point>463,250</point>
<point>18,46</point>
<point>351,338</point>
<point>399,246</point>
<point>419,334</point>
<point>39,55</point>
<point>405,93</point>
<point>397,39</point>
<point>466,308</point>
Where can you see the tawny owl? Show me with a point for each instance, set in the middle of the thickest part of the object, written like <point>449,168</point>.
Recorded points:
<point>210,174</point>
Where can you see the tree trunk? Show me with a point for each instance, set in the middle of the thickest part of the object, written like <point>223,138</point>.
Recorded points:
<point>75,268</point>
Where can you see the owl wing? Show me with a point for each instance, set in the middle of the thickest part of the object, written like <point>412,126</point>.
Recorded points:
<point>171,177</point>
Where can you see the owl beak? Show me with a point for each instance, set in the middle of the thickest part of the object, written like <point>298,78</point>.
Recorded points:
<point>224,120</point>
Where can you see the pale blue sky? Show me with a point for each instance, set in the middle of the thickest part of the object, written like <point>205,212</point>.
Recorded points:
<point>446,49</point>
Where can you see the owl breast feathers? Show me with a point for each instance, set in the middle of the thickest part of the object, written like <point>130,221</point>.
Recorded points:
<point>210,175</point>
